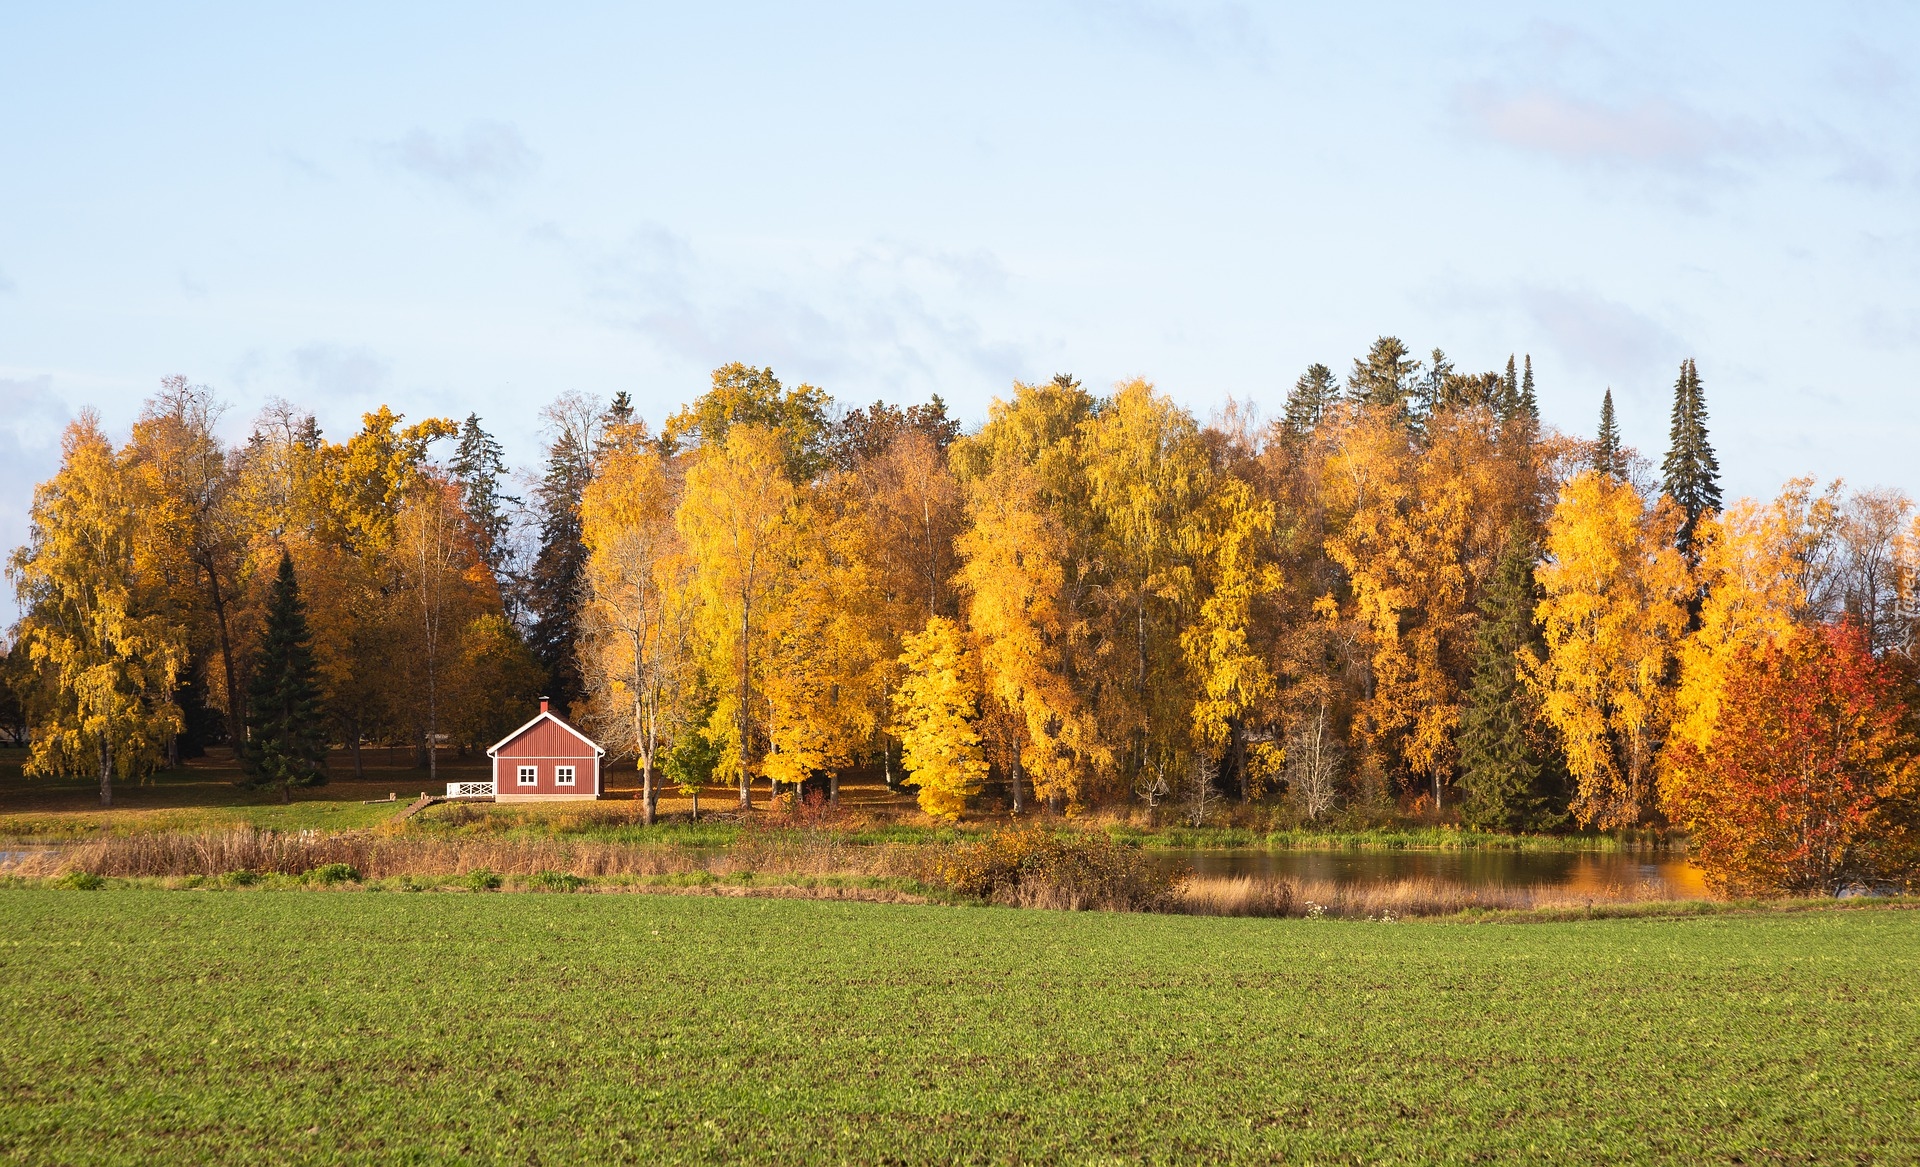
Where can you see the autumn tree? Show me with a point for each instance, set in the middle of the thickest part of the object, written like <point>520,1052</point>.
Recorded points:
<point>1811,783</point>
<point>435,559</point>
<point>636,626</point>
<point>1612,614</point>
<point>934,711</point>
<point>103,657</point>
<point>734,518</point>
<point>286,745</point>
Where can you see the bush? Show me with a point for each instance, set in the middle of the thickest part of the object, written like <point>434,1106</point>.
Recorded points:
<point>242,878</point>
<point>1029,866</point>
<point>555,881</point>
<point>334,873</point>
<point>483,880</point>
<point>80,881</point>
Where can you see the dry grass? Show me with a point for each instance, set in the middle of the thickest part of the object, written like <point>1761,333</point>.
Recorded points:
<point>377,856</point>
<point>1245,896</point>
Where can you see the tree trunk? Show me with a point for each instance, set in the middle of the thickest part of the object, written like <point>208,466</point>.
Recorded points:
<point>286,791</point>
<point>1237,754</point>
<point>648,797</point>
<point>236,709</point>
<point>359,773</point>
<point>1019,799</point>
<point>833,786</point>
<point>106,774</point>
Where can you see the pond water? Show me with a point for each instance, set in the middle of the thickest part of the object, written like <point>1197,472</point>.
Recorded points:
<point>1576,871</point>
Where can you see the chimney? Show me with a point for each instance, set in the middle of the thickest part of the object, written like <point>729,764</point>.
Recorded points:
<point>543,704</point>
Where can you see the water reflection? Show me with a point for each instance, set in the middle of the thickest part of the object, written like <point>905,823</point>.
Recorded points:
<point>1574,871</point>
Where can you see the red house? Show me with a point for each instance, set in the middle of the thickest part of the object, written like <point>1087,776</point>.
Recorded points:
<point>545,760</point>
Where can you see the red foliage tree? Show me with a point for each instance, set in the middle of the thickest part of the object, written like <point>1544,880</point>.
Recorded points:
<point>1810,783</point>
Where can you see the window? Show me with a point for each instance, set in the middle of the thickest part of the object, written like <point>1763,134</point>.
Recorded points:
<point>529,775</point>
<point>563,775</point>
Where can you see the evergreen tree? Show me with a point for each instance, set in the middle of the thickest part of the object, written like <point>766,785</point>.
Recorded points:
<point>553,584</point>
<point>286,744</point>
<point>1308,402</point>
<point>1608,458</point>
<point>1529,401</point>
<point>1510,783</point>
<point>480,466</point>
<point>1509,402</point>
<point>1439,388</point>
<point>1691,471</point>
<point>1385,378</point>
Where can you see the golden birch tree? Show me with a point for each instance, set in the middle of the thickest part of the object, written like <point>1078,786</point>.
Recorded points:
<point>103,655</point>
<point>1613,614</point>
<point>934,715</point>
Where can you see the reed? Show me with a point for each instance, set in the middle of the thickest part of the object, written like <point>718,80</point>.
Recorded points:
<point>1387,900</point>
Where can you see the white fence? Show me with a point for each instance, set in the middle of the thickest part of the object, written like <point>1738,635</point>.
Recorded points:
<point>469,790</point>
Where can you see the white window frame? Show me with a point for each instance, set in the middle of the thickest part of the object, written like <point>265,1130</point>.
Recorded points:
<point>563,775</point>
<point>529,775</point>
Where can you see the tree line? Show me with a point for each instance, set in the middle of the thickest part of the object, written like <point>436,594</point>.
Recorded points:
<point>1404,592</point>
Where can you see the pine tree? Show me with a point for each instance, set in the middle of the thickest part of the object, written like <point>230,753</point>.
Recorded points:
<point>1308,402</point>
<point>286,745</point>
<point>1384,378</point>
<point>1607,456</point>
<point>479,466</point>
<point>1691,471</point>
<point>1509,781</point>
<point>553,584</point>
<point>1529,402</point>
<point>1509,402</point>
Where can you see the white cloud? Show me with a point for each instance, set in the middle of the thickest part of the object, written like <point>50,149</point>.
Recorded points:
<point>1650,131</point>
<point>1602,335</point>
<point>480,163</point>
<point>333,372</point>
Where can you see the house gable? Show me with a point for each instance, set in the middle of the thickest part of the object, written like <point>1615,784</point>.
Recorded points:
<point>542,717</point>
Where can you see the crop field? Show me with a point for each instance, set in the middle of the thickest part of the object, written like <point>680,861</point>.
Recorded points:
<point>144,1025</point>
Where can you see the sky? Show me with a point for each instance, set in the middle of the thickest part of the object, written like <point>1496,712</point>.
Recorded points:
<point>474,208</point>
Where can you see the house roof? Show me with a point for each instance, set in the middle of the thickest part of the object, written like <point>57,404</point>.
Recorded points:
<point>539,717</point>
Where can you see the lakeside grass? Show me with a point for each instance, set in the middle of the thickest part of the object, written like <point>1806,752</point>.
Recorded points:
<point>142,1026</point>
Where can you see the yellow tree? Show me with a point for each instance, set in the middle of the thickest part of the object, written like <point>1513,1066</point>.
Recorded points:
<point>103,654</point>
<point>187,481</point>
<point>734,516</point>
<point>636,633</point>
<point>934,711</point>
<point>826,670</point>
<point>1231,675</point>
<point>441,571</point>
<point>1760,567</point>
<point>1613,614</point>
<point>1013,571</point>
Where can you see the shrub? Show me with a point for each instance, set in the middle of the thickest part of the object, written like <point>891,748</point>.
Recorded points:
<point>483,880</point>
<point>334,873</point>
<point>555,881</point>
<point>80,881</point>
<point>1029,866</point>
<point>242,878</point>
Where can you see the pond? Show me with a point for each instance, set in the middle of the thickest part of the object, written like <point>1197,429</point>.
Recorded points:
<point>1575,871</point>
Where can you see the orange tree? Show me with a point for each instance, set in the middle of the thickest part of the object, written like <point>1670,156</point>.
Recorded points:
<point>1811,781</point>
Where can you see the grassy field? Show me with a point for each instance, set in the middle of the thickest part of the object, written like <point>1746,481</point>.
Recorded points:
<point>270,1026</point>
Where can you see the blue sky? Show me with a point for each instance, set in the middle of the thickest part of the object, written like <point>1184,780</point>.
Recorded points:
<point>468,208</point>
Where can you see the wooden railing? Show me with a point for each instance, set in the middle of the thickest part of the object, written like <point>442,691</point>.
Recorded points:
<point>469,790</point>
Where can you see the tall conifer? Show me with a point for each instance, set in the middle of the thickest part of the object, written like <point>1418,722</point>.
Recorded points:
<point>480,466</point>
<point>1510,782</point>
<point>1529,401</point>
<point>1607,457</point>
<point>287,745</point>
<point>553,584</point>
<point>1308,401</point>
<point>1386,377</point>
<point>1692,474</point>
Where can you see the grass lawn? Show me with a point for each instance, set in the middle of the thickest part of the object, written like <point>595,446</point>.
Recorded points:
<point>268,1026</point>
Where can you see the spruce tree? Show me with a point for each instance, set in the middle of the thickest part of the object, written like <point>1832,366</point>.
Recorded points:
<point>1509,400</point>
<point>286,744</point>
<point>1529,401</point>
<point>1692,473</point>
<point>480,466</point>
<point>1509,782</point>
<point>1607,456</point>
<point>1308,402</point>
<point>553,583</point>
<point>1385,377</point>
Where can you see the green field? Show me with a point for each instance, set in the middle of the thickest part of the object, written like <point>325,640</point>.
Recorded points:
<point>267,1026</point>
